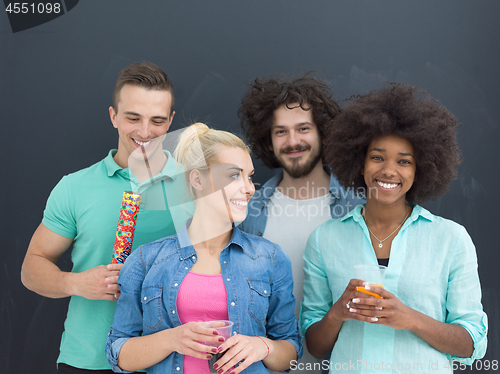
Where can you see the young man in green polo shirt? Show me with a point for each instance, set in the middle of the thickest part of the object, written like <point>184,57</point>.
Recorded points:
<point>83,210</point>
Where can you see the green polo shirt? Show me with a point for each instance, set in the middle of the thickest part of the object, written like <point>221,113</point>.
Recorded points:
<point>85,206</point>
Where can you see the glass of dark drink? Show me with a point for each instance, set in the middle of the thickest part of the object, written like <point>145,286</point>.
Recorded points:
<point>224,328</point>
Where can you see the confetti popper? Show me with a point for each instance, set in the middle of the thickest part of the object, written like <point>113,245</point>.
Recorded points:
<point>126,226</point>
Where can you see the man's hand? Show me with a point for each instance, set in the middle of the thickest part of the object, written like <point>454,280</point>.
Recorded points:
<point>41,274</point>
<point>97,283</point>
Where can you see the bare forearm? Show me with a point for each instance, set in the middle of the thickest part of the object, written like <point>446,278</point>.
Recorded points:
<point>281,353</point>
<point>144,351</point>
<point>321,336</point>
<point>45,278</point>
<point>447,338</point>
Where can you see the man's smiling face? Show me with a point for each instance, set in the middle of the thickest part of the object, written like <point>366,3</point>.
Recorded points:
<point>295,140</point>
<point>142,119</point>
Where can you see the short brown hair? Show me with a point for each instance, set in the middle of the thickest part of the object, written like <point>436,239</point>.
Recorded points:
<point>143,74</point>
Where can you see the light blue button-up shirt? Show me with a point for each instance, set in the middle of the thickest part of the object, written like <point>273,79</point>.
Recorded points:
<point>432,269</point>
<point>257,275</point>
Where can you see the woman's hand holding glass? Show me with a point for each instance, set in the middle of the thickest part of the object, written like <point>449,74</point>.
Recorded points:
<point>388,310</point>
<point>190,337</point>
<point>342,309</point>
<point>241,348</point>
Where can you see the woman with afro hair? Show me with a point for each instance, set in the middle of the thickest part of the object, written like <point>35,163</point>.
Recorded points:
<point>398,146</point>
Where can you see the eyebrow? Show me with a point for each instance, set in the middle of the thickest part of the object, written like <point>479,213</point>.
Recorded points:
<point>138,115</point>
<point>240,169</point>
<point>296,125</point>
<point>382,150</point>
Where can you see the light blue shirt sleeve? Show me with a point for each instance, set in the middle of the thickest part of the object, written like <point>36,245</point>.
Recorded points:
<point>463,301</point>
<point>317,293</point>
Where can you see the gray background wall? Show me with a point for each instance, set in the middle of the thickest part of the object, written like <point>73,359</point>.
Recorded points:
<point>56,81</point>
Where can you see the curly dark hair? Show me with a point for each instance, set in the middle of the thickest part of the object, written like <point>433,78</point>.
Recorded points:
<point>408,112</point>
<point>268,94</point>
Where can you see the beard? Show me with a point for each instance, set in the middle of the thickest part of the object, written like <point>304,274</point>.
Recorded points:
<point>294,167</point>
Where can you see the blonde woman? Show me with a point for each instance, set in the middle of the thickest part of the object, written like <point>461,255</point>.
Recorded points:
<point>210,270</point>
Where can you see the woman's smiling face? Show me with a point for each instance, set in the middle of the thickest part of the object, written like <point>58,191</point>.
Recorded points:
<point>389,169</point>
<point>228,186</point>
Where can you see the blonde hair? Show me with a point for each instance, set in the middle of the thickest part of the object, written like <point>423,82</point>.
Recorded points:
<point>199,146</point>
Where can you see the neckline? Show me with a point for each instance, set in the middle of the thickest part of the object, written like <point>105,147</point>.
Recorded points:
<point>204,275</point>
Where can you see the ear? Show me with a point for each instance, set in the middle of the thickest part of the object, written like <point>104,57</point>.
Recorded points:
<point>112,116</point>
<point>195,180</point>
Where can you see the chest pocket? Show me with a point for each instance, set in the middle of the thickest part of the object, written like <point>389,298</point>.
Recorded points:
<point>259,299</point>
<point>151,306</point>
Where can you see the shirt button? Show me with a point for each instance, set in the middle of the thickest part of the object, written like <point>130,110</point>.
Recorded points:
<point>224,261</point>
<point>233,304</point>
<point>176,284</point>
<point>194,257</point>
<point>228,279</point>
<point>259,233</point>
<point>173,311</point>
<point>265,291</point>
<point>145,298</point>
<point>178,368</point>
<point>186,268</point>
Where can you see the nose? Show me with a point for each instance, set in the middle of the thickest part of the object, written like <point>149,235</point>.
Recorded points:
<point>144,129</point>
<point>249,188</point>
<point>389,169</point>
<point>293,139</point>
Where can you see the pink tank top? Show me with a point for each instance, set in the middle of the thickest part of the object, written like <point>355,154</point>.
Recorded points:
<point>201,297</point>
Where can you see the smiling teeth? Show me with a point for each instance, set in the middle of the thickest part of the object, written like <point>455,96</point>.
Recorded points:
<point>239,202</point>
<point>388,185</point>
<point>142,143</point>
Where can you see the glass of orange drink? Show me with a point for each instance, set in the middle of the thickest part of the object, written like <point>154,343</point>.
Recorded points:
<point>373,274</point>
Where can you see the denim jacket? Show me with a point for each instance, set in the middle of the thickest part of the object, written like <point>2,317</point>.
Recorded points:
<point>342,202</point>
<point>257,275</point>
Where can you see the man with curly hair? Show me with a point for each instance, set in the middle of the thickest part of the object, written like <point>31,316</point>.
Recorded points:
<point>399,145</point>
<point>285,121</point>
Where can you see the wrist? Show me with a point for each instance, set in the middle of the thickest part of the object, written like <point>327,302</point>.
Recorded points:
<point>266,344</point>
<point>333,314</point>
<point>416,321</point>
<point>69,283</point>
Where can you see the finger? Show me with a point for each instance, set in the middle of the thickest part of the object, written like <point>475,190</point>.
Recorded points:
<point>207,335</point>
<point>112,279</point>
<point>356,314</point>
<point>353,283</point>
<point>198,353</point>
<point>200,347</point>
<point>233,340</point>
<point>229,350</point>
<point>116,267</point>
<point>108,296</point>
<point>379,291</point>
<point>241,356</point>
<point>228,361</point>
<point>113,288</point>
<point>368,303</point>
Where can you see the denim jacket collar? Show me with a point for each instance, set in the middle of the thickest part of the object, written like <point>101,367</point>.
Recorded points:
<point>187,250</point>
